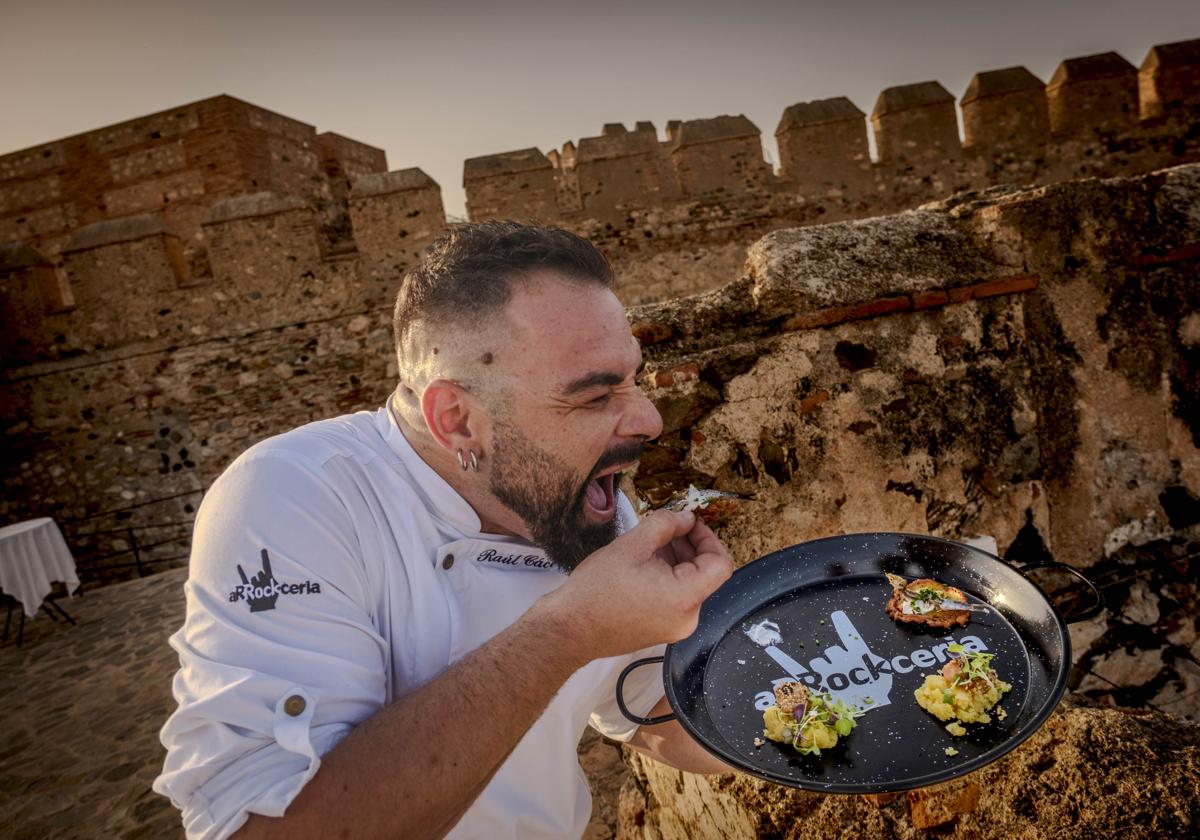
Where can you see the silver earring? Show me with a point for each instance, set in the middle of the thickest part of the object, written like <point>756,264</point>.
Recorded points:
<point>474,461</point>
<point>462,463</point>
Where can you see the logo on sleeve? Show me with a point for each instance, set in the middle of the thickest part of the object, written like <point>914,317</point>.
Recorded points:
<point>262,591</point>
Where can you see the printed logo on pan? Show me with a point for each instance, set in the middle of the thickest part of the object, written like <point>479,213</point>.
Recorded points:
<point>263,590</point>
<point>850,672</point>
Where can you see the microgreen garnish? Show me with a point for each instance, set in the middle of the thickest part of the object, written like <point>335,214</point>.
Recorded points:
<point>974,666</point>
<point>823,709</point>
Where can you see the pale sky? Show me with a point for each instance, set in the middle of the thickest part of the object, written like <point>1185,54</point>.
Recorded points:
<point>433,83</point>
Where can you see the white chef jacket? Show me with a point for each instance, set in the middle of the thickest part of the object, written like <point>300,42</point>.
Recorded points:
<point>379,579</point>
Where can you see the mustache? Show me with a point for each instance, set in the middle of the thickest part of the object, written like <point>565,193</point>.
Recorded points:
<point>621,454</point>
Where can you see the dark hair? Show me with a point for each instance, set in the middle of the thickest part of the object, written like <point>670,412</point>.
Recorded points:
<point>468,272</point>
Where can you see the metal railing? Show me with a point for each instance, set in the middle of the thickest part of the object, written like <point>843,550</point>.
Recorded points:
<point>135,547</point>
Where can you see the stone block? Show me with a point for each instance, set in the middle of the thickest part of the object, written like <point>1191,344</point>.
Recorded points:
<point>620,171</point>
<point>722,155</point>
<point>915,121</point>
<point>121,274</point>
<point>395,215</point>
<point>1169,79</point>
<point>1005,109</point>
<point>511,185</point>
<point>123,262</point>
<point>261,240</point>
<point>1093,94</point>
<point>823,146</point>
<point>832,269</point>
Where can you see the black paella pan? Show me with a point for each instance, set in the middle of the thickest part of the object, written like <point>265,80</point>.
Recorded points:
<point>815,612</point>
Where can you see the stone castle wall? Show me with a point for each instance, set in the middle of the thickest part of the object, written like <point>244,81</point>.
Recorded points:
<point>130,381</point>
<point>175,164</point>
<point>1098,116</point>
<point>143,351</point>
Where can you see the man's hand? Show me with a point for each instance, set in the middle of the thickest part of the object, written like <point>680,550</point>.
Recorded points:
<point>643,589</point>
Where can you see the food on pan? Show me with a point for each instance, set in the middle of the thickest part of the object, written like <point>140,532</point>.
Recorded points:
<point>712,506</point>
<point>926,601</point>
<point>964,690</point>
<point>809,721</point>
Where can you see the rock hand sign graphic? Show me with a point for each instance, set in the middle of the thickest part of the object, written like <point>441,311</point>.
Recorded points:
<point>850,671</point>
<point>262,591</point>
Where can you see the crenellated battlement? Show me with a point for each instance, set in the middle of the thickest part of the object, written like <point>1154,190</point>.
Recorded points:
<point>219,217</point>
<point>257,261</point>
<point>1098,115</point>
<point>175,163</point>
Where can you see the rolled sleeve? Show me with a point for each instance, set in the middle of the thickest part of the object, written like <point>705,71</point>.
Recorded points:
<point>279,654</point>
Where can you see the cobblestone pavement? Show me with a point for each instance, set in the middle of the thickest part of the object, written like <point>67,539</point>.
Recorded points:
<point>82,707</point>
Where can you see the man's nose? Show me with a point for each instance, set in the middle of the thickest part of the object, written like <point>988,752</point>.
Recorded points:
<point>641,419</point>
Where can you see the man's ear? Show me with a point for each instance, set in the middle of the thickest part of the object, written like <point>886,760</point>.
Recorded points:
<point>453,416</point>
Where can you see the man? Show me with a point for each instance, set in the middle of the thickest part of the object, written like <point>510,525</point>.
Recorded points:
<point>400,621</point>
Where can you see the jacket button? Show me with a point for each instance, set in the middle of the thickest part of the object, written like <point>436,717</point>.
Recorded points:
<point>294,705</point>
<point>447,561</point>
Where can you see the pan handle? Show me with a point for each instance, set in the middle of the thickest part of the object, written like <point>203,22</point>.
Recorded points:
<point>643,721</point>
<point>1095,609</point>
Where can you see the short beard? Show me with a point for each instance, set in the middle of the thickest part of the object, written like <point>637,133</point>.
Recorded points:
<point>549,498</point>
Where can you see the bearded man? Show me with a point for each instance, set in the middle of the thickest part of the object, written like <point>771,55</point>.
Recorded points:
<point>399,622</point>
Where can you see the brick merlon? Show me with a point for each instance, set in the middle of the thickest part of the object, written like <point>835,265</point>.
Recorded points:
<point>1178,54</point>
<point>505,163</point>
<point>998,82</point>
<point>907,97</point>
<point>1090,67</point>
<point>818,112</point>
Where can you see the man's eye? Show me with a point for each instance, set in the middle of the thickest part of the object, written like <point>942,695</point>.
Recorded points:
<point>596,402</point>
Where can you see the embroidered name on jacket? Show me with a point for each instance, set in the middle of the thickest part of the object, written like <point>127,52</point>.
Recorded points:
<point>530,561</point>
<point>262,591</point>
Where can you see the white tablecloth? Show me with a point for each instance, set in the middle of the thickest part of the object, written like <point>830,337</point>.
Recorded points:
<point>32,555</point>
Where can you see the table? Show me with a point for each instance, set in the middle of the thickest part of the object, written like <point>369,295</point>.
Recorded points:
<point>33,554</point>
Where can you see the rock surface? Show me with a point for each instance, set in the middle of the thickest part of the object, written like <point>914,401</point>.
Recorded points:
<point>1087,773</point>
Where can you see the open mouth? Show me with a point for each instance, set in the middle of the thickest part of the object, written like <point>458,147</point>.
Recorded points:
<point>601,497</point>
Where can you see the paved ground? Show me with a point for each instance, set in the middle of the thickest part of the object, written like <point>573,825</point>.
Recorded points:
<point>82,707</point>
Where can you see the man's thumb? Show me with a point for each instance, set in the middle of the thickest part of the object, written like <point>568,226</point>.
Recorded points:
<point>655,531</point>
